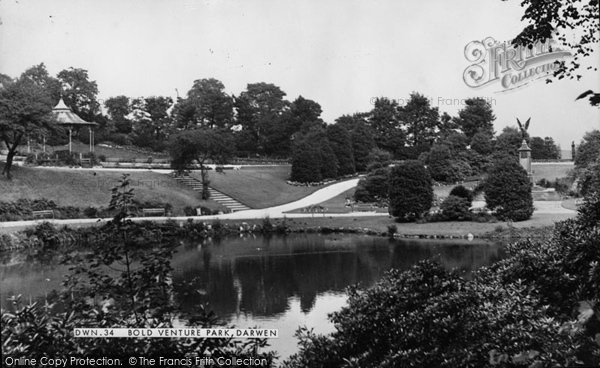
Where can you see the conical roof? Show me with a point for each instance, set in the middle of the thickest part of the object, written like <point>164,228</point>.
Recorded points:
<point>65,116</point>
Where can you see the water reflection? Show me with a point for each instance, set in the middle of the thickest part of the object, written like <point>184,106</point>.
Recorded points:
<point>259,276</point>
<point>274,282</point>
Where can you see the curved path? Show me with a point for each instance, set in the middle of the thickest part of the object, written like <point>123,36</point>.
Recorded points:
<point>317,197</point>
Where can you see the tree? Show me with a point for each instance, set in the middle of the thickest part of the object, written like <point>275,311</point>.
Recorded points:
<point>378,158</point>
<point>385,122</point>
<point>559,18</point>
<point>420,121</point>
<point>118,109</point>
<point>362,144</point>
<point>476,115</point>
<point>302,116</point>
<point>206,105</point>
<point>482,142</point>
<point>200,146</point>
<point>508,142</point>
<point>341,143</point>
<point>313,159</point>
<point>410,191</point>
<point>445,165</point>
<point>588,150</point>
<point>25,110</point>
<point>508,190</point>
<point>80,93</point>
<point>151,121</point>
<point>543,148</point>
<point>259,111</point>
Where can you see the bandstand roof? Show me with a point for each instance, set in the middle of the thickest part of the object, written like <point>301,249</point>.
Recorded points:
<point>65,116</point>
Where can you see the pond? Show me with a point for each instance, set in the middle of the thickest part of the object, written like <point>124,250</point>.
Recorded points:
<point>280,282</point>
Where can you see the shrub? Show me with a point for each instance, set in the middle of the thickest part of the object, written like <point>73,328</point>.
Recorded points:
<point>508,190</point>
<point>373,187</point>
<point>391,230</point>
<point>456,208</point>
<point>90,212</point>
<point>410,191</point>
<point>427,317</point>
<point>189,211</point>
<point>462,192</point>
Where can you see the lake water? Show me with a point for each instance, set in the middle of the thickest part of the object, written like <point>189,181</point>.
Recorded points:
<point>276,282</point>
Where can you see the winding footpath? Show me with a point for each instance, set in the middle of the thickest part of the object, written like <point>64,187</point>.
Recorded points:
<point>317,197</point>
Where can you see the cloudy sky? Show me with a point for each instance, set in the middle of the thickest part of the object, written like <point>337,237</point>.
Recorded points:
<point>340,53</point>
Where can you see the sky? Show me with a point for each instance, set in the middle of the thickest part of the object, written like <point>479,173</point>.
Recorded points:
<point>340,53</point>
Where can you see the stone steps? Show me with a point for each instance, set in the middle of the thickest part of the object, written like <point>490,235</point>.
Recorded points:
<point>221,198</point>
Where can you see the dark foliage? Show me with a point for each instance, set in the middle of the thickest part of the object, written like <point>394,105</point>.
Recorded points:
<point>374,187</point>
<point>508,190</point>
<point>410,191</point>
<point>341,144</point>
<point>462,192</point>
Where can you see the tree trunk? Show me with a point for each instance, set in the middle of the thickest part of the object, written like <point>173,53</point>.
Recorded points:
<point>204,176</point>
<point>8,165</point>
<point>12,151</point>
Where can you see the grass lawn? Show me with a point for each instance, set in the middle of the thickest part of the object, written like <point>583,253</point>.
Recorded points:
<point>258,187</point>
<point>84,189</point>
<point>380,224</point>
<point>110,152</point>
<point>551,171</point>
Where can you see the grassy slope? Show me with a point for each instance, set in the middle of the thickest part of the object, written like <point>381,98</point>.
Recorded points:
<point>110,152</point>
<point>83,188</point>
<point>258,187</point>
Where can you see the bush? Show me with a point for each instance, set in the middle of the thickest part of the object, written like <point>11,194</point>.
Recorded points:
<point>67,158</point>
<point>456,208</point>
<point>410,191</point>
<point>462,192</point>
<point>508,190</point>
<point>373,187</point>
<point>427,317</point>
<point>90,212</point>
<point>189,211</point>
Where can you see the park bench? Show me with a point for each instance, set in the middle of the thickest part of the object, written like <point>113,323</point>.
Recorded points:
<point>86,161</point>
<point>43,213</point>
<point>363,207</point>
<point>153,211</point>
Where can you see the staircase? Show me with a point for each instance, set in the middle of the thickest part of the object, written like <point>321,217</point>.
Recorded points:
<point>215,195</point>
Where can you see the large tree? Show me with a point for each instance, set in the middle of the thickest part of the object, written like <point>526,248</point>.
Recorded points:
<point>200,147</point>
<point>151,120</point>
<point>544,148</point>
<point>476,116</point>
<point>260,109</point>
<point>25,110</point>
<point>206,105</point>
<point>80,93</point>
<point>421,121</point>
<point>119,108</point>
<point>341,143</point>
<point>385,122</point>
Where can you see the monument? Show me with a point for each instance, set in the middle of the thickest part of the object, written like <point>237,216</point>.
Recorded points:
<point>525,158</point>
<point>524,150</point>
